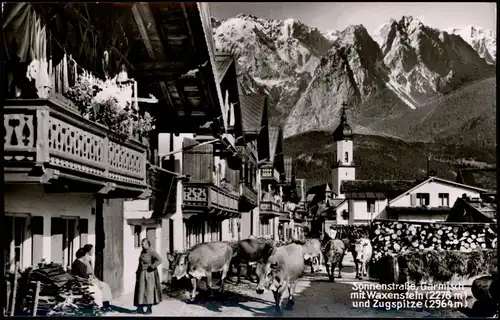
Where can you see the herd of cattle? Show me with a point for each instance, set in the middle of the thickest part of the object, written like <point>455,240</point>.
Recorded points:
<point>278,267</point>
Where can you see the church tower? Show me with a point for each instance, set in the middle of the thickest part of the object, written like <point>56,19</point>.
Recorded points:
<point>343,168</point>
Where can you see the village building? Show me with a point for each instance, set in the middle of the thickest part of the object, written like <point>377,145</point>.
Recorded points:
<point>71,182</point>
<point>65,176</point>
<point>254,110</point>
<point>350,201</point>
<point>271,204</point>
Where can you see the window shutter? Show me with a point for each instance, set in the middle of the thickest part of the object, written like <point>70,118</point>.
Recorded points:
<point>37,239</point>
<point>413,199</point>
<point>198,162</point>
<point>83,226</point>
<point>56,230</point>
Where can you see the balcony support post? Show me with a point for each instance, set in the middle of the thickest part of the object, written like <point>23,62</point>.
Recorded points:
<point>145,194</point>
<point>49,175</point>
<point>110,186</point>
<point>42,137</point>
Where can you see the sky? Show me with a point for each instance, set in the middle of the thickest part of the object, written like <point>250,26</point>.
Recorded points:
<point>338,15</point>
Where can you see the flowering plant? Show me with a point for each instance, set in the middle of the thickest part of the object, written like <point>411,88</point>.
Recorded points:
<point>101,104</point>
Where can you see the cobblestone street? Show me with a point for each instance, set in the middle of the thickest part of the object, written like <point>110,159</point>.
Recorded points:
<point>315,297</point>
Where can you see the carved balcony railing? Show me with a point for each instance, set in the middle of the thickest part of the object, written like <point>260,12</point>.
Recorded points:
<point>204,197</point>
<point>248,193</point>
<point>269,173</point>
<point>270,206</point>
<point>46,134</point>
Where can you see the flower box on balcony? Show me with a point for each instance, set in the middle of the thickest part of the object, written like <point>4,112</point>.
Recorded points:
<point>45,134</point>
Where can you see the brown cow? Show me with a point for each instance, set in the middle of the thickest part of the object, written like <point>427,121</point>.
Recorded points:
<point>201,261</point>
<point>281,271</point>
<point>251,250</point>
<point>333,253</point>
<point>312,253</point>
<point>362,253</point>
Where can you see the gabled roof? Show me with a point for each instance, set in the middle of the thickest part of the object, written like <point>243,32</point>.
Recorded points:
<point>419,210</point>
<point>376,189</point>
<point>481,178</point>
<point>436,179</point>
<point>252,109</point>
<point>473,210</point>
<point>274,135</point>
<point>222,63</point>
<point>488,209</point>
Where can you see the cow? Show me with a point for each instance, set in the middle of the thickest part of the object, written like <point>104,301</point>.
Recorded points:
<point>281,271</point>
<point>248,251</point>
<point>201,261</point>
<point>312,253</point>
<point>361,253</point>
<point>333,253</point>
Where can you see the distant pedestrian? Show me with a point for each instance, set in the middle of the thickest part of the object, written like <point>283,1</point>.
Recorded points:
<point>105,289</point>
<point>147,284</point>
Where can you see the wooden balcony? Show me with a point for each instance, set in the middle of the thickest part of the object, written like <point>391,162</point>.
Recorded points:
<point>249,195</point>
<point>201,198</point>
<point>270,209</point>
<point>46,142</point>
<point>285,217</point>
<point>270,174</point>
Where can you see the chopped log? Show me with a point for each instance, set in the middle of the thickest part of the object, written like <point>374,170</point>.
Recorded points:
<point>37,295</point>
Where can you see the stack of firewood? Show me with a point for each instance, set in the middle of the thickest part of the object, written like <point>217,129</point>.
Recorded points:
<point>396,237</point>
<point>56,290</point>
<point>351,231</point>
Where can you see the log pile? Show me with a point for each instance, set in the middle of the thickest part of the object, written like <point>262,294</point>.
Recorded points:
<point>438,265</point>
<point>352,231</point>
<point>395,237</point>
<point>58,290</point>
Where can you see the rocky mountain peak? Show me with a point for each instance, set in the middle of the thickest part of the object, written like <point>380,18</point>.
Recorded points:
<point>308,73</point>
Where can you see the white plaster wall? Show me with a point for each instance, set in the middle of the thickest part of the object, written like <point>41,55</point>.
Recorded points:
<point>342,174</point>
<point>431,217</point>
<point>178,236</point>
<point>32,200</point>
<point>136,209</point>
<point>342,148</point>
<point>276,222</point>
<point>434,188</point>
<point>130,257</point>
<point>340,208</point>
<point>360,209</point>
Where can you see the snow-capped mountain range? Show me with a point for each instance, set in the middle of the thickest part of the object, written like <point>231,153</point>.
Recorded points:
<point>308,73</point>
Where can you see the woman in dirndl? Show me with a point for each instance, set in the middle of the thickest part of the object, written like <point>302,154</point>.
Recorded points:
<point>147,284</point>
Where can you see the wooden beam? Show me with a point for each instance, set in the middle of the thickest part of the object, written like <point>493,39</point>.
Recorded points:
<point>166,93</point>
<point>146,194</point>
<point>163,65</point>
<point>110,186</point>
<point>142,29</point>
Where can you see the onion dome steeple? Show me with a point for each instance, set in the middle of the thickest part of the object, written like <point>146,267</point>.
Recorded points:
<point>343,131</point>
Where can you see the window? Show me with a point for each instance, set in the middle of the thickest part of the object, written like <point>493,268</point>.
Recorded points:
<point>370,205</point>
<point>69,236</point>
<point>347,157</point>
<point>195,231</point>
<point>423,199</point>
<point>14,236</point>
<point>444,199</point>
<point>137,236</point>
<point>213,232</point>
<point>231,226</point>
